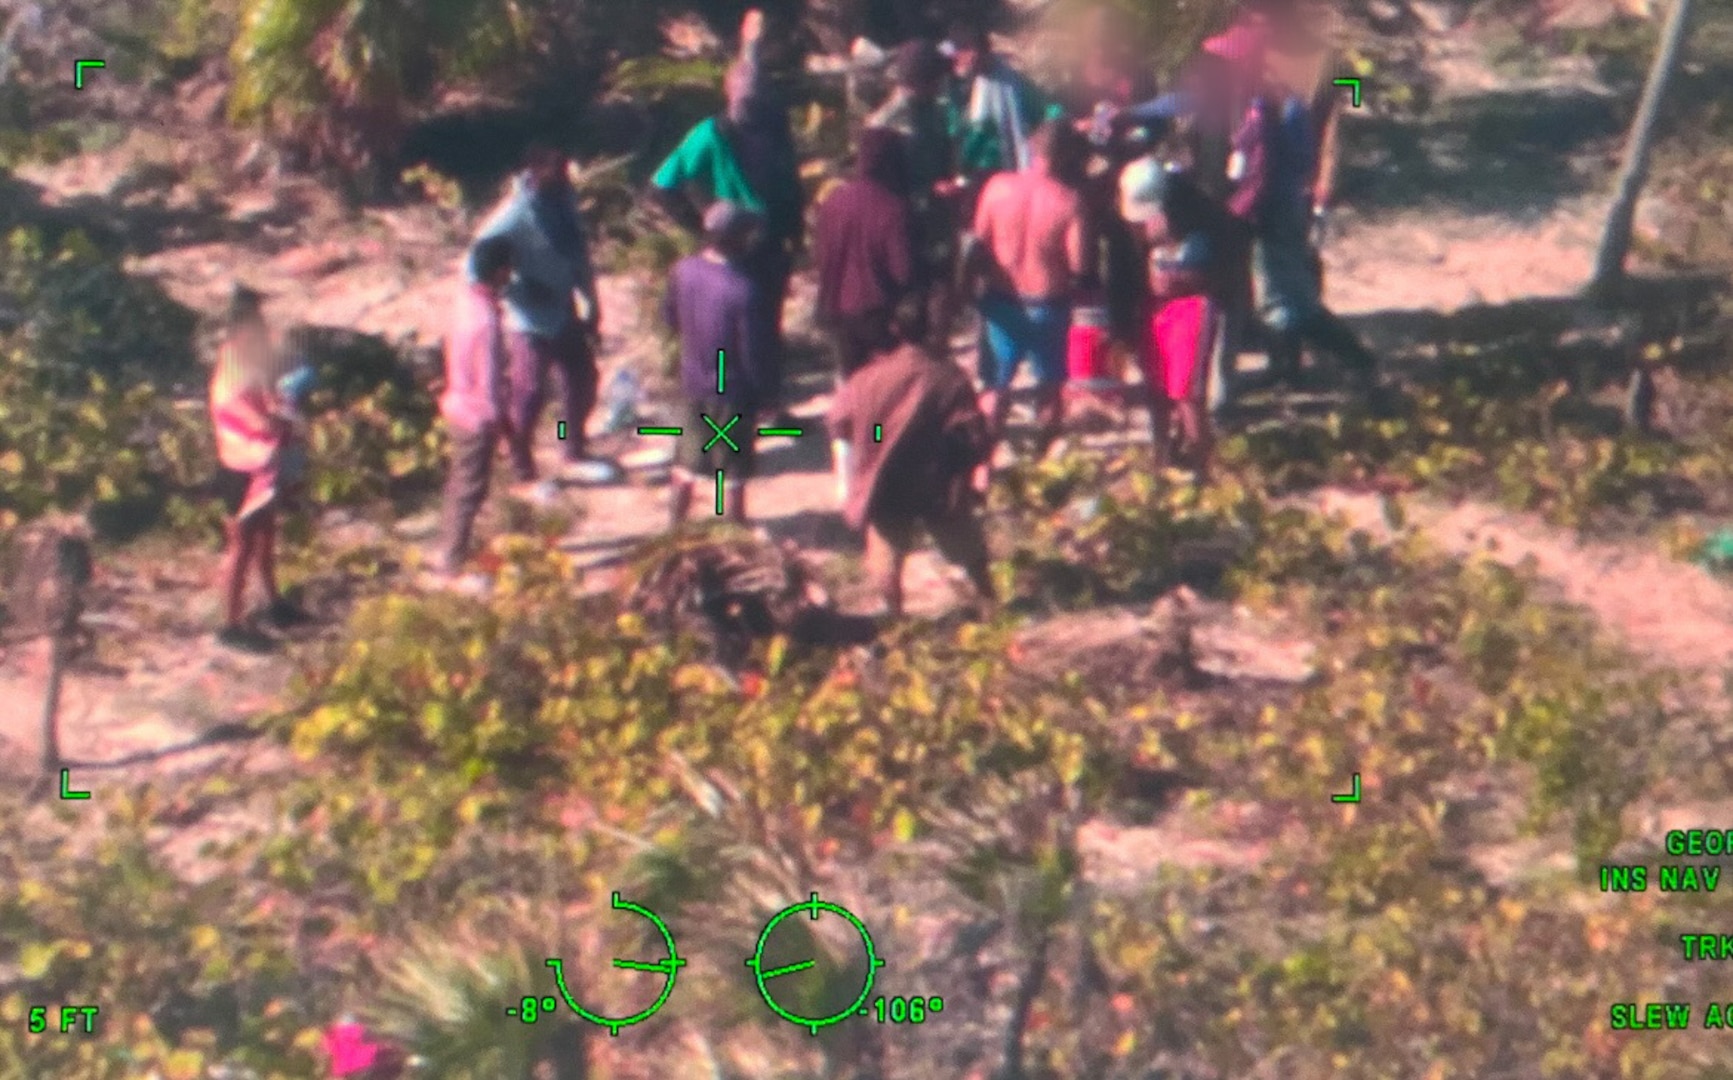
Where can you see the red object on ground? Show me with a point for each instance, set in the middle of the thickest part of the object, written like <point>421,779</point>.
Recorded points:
<point>351,1053</point>
<point>1088,352</point>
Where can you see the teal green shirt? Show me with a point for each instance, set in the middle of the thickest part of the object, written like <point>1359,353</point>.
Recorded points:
<point>705,158</point>
<point>996,142</point>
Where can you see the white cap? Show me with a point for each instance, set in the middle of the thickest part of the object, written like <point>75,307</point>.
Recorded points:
<point>1140,188</point>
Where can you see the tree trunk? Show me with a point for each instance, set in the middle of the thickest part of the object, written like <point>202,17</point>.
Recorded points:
<point>1616,239</point>
<point>1028,990</point>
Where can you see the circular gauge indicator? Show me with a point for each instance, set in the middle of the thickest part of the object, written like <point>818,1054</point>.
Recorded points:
<point>668,968</point>
<point>765,975</point>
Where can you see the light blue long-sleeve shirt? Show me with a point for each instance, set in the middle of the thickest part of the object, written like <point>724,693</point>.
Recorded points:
<point>539,299</point>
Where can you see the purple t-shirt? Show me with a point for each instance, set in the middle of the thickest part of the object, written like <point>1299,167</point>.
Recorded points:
<point>709,304</point>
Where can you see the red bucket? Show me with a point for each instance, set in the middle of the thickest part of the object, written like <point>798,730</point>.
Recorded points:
<point>1088,351</point>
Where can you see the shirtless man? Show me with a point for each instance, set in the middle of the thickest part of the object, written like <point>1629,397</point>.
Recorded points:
<point>1030,252</point>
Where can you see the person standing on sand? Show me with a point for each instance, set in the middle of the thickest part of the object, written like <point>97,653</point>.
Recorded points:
<point>1275,169</point>
<point>713,307</point>
<point>255,431</point>
<point>1300,60</point>
<point>475,406</point>
<point>917,434</point>
<point>1302,52</point>
<point>1181,225</point>
<point>553,317</point>
<point>746,156</point>
<point>918,111</point>
<point>1031,250</point>
<point>863,244</point>
<point>1216,92</point>
<point>997,107</point>
<point>1108,77</point>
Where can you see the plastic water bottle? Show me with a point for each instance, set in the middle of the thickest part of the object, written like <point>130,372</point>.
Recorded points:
<point>297,384</point>
<point>620,401</point>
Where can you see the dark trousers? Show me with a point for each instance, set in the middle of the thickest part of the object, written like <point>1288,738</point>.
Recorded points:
<point>855,339</point>
<point>466,487</point>
<point>1125,278</point>
<point>936,230</point>
<point>770,269</point>
<point>1325,331</point>
<point>573,364</point>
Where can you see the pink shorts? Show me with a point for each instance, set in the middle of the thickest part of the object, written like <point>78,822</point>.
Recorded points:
<point>1176,354</point>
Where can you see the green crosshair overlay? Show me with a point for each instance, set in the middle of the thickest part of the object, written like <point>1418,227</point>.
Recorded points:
<point>814,907</point>
<point>668,968</point>
<point>720,433</point>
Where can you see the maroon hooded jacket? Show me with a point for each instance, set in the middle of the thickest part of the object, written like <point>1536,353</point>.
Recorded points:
<point>864,241</point>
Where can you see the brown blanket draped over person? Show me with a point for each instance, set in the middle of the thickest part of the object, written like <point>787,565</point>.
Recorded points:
<point>931,437</point>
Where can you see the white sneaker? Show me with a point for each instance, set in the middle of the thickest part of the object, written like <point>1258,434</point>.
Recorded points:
<point>540,493</point>
<point>592,471</point>
<point>839,455</point>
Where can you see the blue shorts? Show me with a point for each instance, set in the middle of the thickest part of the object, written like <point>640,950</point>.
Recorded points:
<point>1014,329</point>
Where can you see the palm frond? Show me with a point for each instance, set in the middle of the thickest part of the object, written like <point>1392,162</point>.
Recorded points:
<point>443,1000</point>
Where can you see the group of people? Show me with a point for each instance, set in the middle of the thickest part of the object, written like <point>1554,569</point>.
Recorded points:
<point>1178,227</point>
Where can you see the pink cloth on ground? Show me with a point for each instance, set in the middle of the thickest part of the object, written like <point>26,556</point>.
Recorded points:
<point>351,1053</point>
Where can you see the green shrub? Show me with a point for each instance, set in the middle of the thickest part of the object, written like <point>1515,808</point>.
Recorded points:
<point>463,759</point>
<point>83,421</point>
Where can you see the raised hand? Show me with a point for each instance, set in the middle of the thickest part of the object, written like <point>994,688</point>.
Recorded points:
<point>751,27</point>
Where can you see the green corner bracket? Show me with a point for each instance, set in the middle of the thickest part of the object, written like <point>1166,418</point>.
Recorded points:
<point>1351,797</point>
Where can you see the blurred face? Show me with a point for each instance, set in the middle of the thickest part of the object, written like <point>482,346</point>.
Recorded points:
<point>545,171</point>
<point>252,324</point>
<point>968,60</point>
<point>736,242</point>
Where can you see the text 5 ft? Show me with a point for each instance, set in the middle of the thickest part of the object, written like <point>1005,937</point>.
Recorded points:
<point>70,1015</point>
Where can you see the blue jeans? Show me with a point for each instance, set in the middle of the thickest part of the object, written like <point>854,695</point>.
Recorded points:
<point>1012,330</point>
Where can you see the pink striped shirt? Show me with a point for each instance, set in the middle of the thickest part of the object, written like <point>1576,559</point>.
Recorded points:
<point>244,403</point>
<point>474,361</point>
